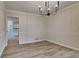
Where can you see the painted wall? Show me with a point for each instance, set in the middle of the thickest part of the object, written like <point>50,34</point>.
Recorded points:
<point>31,26</point>
<point>63,28</point>
<point>2,29</point>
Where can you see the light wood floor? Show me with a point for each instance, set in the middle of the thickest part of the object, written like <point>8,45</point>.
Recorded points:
<point>42,49</point>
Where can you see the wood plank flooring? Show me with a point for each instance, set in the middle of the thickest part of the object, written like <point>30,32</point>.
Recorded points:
<point>41,49</point>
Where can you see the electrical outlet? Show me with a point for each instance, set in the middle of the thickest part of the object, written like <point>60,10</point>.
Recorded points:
<point>36,39</point>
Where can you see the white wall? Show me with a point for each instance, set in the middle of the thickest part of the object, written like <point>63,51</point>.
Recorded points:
<point>63,28</point>
<point>2,29</point>
<point>31,26</point>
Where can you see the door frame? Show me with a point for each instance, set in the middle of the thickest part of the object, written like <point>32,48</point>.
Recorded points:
<point>7,24</point>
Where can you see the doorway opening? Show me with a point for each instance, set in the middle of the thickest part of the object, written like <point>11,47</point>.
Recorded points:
<point>13,29</point>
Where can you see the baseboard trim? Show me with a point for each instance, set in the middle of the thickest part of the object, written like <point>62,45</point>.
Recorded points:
<point>63,45</point>
<point>3,50</point>
<point>30,42</point>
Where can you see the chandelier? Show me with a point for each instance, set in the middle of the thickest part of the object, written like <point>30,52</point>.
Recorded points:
<point>47,9</point>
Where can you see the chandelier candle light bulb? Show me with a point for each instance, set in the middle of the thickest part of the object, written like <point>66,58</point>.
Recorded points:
<point>39,6</point>
<point>48,9</point>
<point>56,5</point>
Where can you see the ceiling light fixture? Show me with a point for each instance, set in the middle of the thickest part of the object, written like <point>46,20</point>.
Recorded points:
<point>47,9</point>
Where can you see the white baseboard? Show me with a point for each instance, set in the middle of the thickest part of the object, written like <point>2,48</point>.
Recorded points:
<point>2,49</point>
<point>63,45</point>
<point>30,41</point>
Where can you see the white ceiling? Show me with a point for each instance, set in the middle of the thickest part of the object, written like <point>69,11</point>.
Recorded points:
<point>32,6</point>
